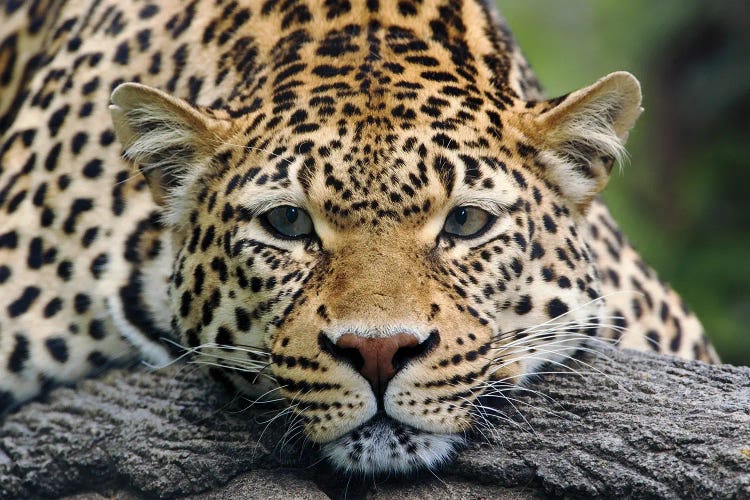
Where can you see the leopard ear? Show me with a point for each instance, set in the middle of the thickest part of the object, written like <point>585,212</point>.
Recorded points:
<point>170,140</point>
<point>583,134</point>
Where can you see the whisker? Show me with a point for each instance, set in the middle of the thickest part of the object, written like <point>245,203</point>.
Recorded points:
<point>235,368</point>
<point>512,387</point>
<point>601,299</point>
<point>522,402</point>
<point>259,399</point>
<point>563,365</point>
<point>555,335</point>
<point>580,325</point>
<point>234,364</point>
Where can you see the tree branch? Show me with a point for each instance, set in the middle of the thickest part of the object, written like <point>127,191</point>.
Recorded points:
<point>633,425</point>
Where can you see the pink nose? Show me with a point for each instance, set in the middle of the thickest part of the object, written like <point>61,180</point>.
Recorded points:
<point>378,356</point>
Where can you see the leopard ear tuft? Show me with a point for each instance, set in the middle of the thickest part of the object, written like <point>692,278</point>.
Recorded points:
<point>583,134</point>
<point>170,140</point>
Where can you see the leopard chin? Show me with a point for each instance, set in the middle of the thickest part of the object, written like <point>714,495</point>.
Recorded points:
<point>383,445</point>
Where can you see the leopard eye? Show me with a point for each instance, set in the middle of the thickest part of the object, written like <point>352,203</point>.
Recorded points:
<point>467,222</point>
<point>288,222</point>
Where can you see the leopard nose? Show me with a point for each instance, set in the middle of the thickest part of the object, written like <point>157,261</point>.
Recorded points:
<point>379,359</point>
<point>377,355</point>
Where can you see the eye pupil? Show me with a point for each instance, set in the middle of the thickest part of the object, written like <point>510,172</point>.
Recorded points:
<point>461,216</point>
<point>291,214</point>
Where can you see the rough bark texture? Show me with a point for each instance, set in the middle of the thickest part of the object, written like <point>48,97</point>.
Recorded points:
<point>634,425</point>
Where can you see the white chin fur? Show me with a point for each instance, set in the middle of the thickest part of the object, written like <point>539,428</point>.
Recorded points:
<point>383,446</point>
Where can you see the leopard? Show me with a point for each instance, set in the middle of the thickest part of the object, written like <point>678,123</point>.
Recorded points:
<point>367,210</point>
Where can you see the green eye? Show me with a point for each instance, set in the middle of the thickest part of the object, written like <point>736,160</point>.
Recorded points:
<point>289,222</point>
<point>467,222</point>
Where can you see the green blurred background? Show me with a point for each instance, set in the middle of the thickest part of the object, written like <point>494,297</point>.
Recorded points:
<point>684,197</point>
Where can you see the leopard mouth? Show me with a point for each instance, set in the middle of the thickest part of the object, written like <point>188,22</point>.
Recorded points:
<point>384,445</point>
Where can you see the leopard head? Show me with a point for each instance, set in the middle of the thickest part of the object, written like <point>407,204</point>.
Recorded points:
<point>380,259</point>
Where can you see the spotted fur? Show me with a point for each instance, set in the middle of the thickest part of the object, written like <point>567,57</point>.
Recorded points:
<point>140,229</point>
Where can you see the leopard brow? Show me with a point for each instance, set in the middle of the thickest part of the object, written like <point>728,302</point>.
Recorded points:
<point>263,203</point>
<point>491,205</point>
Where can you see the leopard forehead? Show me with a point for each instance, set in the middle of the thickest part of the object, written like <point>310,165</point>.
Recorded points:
<point>411,178</point>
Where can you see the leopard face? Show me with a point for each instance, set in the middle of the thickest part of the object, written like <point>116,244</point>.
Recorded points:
<point>379,268</point>
<point>378,259</point>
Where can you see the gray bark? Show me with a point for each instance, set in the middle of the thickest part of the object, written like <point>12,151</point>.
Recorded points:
<point>634,425</point>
